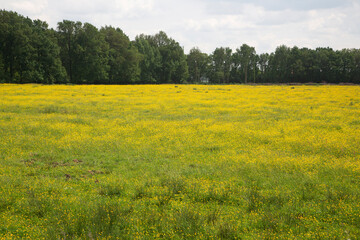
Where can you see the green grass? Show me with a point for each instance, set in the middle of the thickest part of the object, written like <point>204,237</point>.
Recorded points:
<point>179,162</point>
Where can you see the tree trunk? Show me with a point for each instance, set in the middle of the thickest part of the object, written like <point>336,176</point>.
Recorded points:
<point>246,69</point>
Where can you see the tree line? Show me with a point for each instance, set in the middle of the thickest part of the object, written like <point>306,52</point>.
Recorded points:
<point>80,53</point>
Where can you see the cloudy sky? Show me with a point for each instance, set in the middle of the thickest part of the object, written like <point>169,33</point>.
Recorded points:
<point>208,24</point>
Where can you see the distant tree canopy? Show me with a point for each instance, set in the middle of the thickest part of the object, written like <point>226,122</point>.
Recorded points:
<point>29,51</point>
<point>164,60</point>
<point>79,53</point>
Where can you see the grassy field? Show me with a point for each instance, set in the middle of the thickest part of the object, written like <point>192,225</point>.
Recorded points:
<point>179,162</point>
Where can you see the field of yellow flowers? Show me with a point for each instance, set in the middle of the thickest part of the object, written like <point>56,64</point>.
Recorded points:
<point>179,162</point>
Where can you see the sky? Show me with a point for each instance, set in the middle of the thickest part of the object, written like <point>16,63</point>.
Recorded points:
<point>208,24</point>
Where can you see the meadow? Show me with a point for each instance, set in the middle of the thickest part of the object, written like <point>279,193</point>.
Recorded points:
<point>179,162</point>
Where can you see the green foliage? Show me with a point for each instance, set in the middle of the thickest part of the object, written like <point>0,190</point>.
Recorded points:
<point>164,59</point>
<point>198,64</point>
<point>67,32</point>
<point>244,61</point>
<point>221,63</point>
<point>227,231</point>
<point>188,223</point>
<point>47,52</point>
<point>84,52</point>
<point>123,58</point>
<point>92,55</point>
<point>29,51</point>
<point>150,63</point>
<point>79,53</point>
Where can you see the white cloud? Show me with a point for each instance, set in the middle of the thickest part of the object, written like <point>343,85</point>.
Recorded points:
<point>118,7</point>
<point>31,7</point>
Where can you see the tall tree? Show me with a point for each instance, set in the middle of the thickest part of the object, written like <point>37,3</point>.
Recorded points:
<point>198,64</point>
<point>355,74</point>
<point>324,63</point>
<point>221,62</point>
<point>15,34</point>
<point>2,69</point>
<point>296,65</point>
<point>67,37</point>
<point>263,63</point>
<point>48,68</point>
<point>173,60</point>
<point>150,63</point>
<point>123,57</point>
<point>279,62</point>
<point>93,53</point>
<point>28,51</point>
<point>31,52</point>
<point>245,57</point>
<point>347,64</point>
<point>84,52</point>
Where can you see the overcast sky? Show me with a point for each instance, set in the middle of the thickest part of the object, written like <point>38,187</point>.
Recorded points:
<point>208,24</point>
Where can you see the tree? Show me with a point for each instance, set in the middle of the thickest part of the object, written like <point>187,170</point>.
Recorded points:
<point>150,62</point>
<point>263,63</point>
<point>221,63</point>
<point>28,51</point>
<point>93,53</point>
<point>123,58</point>
<point>279,62</point>
<point>296,65</point>
<point>84,52</point>
<point>16,49</point>
<point>198,63</point>
<point>48,66</point>
<point>173,66</point>
<point>355,74</point>
<point>245,60</point>
<point>173,60</point>
<point>2,69</point>
<point>67,37</point>
<point>323,59</point>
